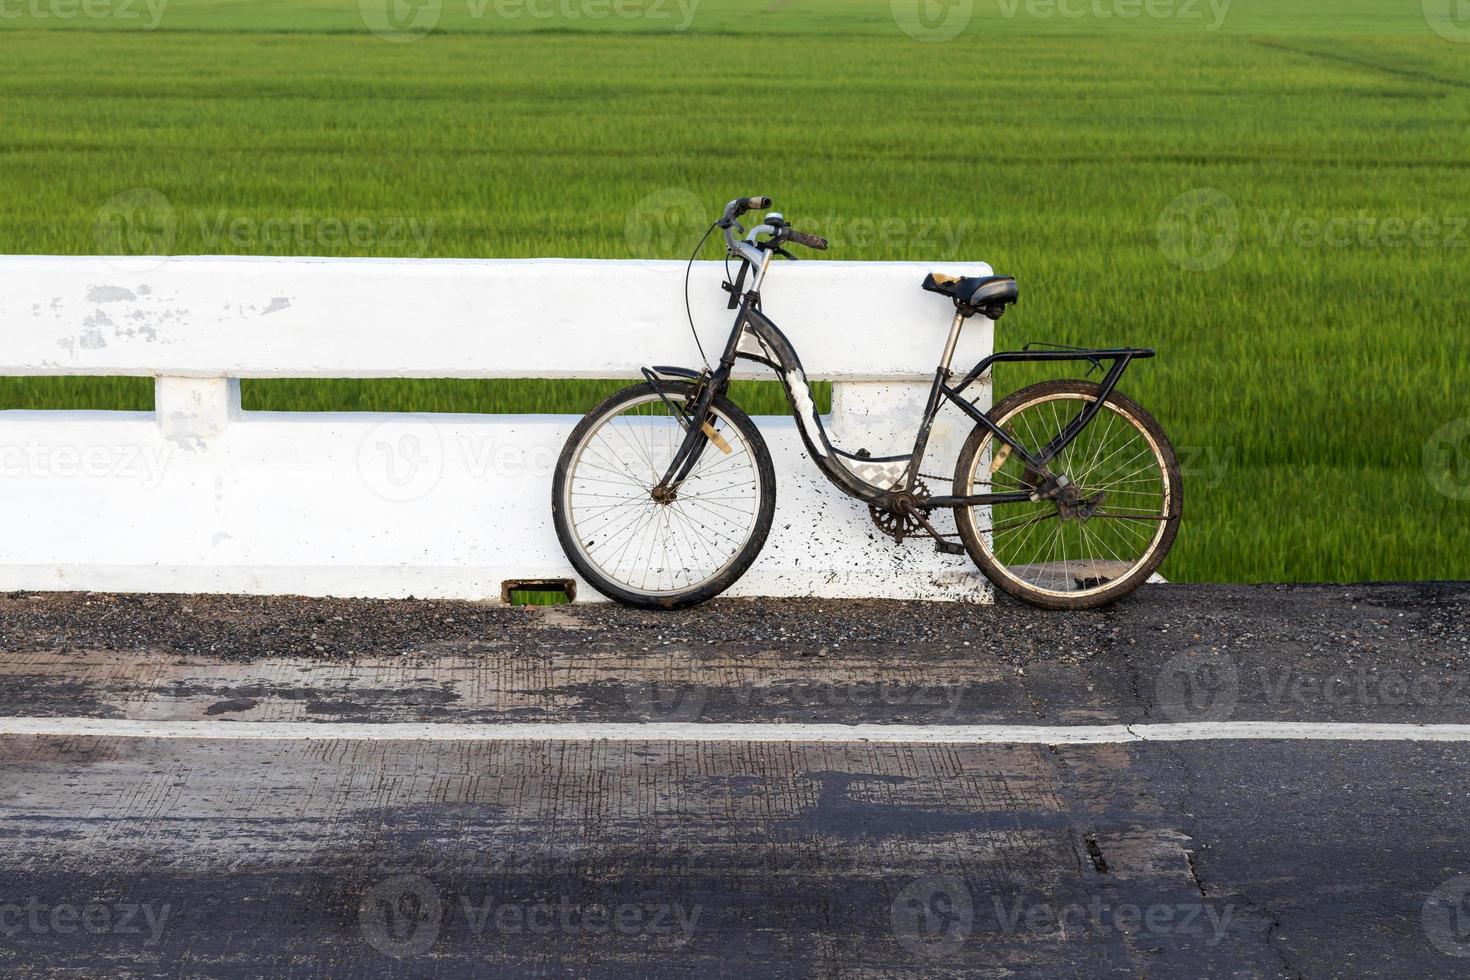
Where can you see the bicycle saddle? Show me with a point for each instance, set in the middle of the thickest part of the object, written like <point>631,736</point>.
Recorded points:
<point>981,292</point>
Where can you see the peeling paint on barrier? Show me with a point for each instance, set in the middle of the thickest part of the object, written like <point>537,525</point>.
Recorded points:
<point>341,504</point>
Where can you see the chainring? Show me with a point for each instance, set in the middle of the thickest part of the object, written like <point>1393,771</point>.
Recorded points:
<point>899,526</point>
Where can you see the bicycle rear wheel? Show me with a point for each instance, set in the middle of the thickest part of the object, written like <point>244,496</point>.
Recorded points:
<point>655,553</point>
<point>1110,531</point>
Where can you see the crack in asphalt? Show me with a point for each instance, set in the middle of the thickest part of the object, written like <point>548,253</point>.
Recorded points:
<point>1187,788</point>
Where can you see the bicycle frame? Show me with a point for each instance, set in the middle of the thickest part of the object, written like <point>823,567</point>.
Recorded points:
<point>756,337</point>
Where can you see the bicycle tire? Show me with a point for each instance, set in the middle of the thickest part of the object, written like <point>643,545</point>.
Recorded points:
<point>577,550</point>
<point>1008,408</point>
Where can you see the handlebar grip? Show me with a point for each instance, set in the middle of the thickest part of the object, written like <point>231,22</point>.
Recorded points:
<point>739,206</point>
<point>810,241</point>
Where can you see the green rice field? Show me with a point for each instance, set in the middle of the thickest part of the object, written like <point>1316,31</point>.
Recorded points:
<point>1272,194</point>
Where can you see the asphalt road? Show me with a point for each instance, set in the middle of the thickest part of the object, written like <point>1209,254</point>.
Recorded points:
<point>124,856</point>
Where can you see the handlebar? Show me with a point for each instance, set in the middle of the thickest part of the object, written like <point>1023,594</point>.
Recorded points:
<point>741,205</point>
<point>777,228</point>
<point>802,238</point>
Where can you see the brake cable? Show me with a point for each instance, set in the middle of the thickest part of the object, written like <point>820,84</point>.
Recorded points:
<point>687,309</point>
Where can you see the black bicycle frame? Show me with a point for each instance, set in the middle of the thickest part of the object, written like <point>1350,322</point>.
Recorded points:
<point>755,337</point>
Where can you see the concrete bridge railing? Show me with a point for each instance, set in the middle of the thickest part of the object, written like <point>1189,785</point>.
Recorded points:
<point>200,496</point>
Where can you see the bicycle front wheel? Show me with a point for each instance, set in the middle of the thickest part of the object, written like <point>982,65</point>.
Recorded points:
<point>1108,531</point>
<point>661,553</point>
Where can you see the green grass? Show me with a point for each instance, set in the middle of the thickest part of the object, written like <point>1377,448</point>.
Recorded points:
<point>1301,381</point>
<point>760,18</point>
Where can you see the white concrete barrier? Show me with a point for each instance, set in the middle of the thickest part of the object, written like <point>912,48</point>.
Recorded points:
<point>199,496</point>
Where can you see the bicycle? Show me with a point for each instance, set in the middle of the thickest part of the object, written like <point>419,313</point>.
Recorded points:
<point>1066,494</point>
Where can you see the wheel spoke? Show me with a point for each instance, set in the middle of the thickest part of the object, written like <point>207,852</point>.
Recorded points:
<point>1053,546</point>
<point>643,544</point>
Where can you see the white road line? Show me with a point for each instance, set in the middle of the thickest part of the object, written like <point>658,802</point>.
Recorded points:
<point>691,732</point>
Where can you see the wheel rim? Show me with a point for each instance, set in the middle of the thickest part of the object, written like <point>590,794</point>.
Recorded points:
<point>649,547</point>
<point>1090,543</point>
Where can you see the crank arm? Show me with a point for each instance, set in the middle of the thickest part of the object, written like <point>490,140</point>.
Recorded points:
<point>948,547</point>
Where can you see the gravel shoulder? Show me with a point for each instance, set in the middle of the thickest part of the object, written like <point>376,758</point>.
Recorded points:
<point>1387,652</point>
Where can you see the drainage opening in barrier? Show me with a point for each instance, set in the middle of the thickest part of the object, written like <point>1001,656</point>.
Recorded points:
<point>537,591</point>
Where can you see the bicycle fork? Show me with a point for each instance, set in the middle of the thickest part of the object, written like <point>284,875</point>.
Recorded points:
<point>699,431</point>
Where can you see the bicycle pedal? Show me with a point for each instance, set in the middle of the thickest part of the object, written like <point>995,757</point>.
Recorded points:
<point>949,547</point>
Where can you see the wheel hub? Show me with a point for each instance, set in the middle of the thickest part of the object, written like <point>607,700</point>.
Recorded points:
<point>1072,504</point>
